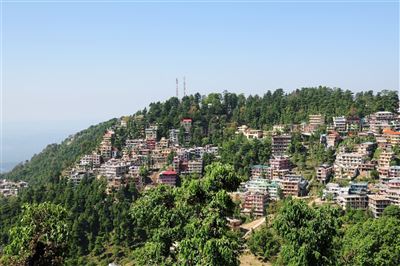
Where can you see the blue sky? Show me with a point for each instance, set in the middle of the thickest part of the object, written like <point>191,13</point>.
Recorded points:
<point>69,65</point>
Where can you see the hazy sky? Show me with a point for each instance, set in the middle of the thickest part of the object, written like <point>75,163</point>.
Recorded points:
<point>69,65</point>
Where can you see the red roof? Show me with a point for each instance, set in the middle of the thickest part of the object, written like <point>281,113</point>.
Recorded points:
<point>186,120</point>
<point>169,172</point>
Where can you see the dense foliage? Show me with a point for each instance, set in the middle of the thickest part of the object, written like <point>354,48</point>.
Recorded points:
<point>308,233</point>
<point>187,224</point>
<point>373,242</point>
<point>264,243</point>
<point>41,236</point>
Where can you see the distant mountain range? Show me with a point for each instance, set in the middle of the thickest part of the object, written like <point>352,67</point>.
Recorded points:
<point>7,166</point>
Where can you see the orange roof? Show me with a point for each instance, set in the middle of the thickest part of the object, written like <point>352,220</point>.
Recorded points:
<point>390,132</point>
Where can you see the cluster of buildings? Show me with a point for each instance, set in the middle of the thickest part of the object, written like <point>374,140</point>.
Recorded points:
<point>122,166</point>
<point>361,195</point>
<point>270,183</point>
<point>373,159</point>
<point>169,157</point>
<point>10,188</point>
<point>349,164</point>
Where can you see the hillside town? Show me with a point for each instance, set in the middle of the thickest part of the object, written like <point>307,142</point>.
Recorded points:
<point>154,160</point>
<point>147,162</point>
<point>11,188</point>
<point>372,160</point>
<point>172,175</point>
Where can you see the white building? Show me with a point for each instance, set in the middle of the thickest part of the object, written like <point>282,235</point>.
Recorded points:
<point>340,123</point>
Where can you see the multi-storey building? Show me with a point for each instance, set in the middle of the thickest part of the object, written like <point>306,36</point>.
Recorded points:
<point>174,136</point>
<point>380,120</point>
<point>358,187</point>
<point>353,201</point>
<point>394,171</point>
<point>253,134</point>
<point>254,203</point>
<point>134,175</point>
<point>9,188</point>
<point>195,167</point>
<point>392,137</point>
<point>280,162</point>
<point>280,144</point>
<point>382,142</point>
<point>211,150</point>
<point>105,145</point>
<point>258,171</point>
<point>150,144</point>
<point>366,168</point>
<point>77,174</point>
<point>135,143</point>
<point>353,196</point>
<point>176,164</point>
<point>365,148</point>
<point>158,160</point>
<point>91,159</point>
<point>347,164</point>
<point>261,185</point>
<point>332,139</point>
<point>163,143</point>
<point>186,123</point>
<point>294,185</point>
<point>106,149</point>
<point>340,123</point>
<point>249,132</point>
<point>393,191</point>
<point>324,172</point>
<point>108,135</point>
<point>168,178</point>
<point>333,190</point>
<point>114,168</point>
<point>315,121</point>
<point>353,123</point>
<point>151,132</point>
<point>384,160</point>
<point>377,203</point>
<point>279,166</point>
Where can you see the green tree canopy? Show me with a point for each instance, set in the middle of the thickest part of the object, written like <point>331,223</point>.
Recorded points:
<point>221,176</point>
<point>41,236</point>
<point>308,233</point>
<point>373,242</point>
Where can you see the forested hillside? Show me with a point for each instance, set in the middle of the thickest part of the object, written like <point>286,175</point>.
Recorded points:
<point>215,118</point>
<point>186,225</point>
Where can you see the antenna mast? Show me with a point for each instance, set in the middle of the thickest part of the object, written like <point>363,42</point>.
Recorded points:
<point>184,86</point>
<point>177,89</point>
